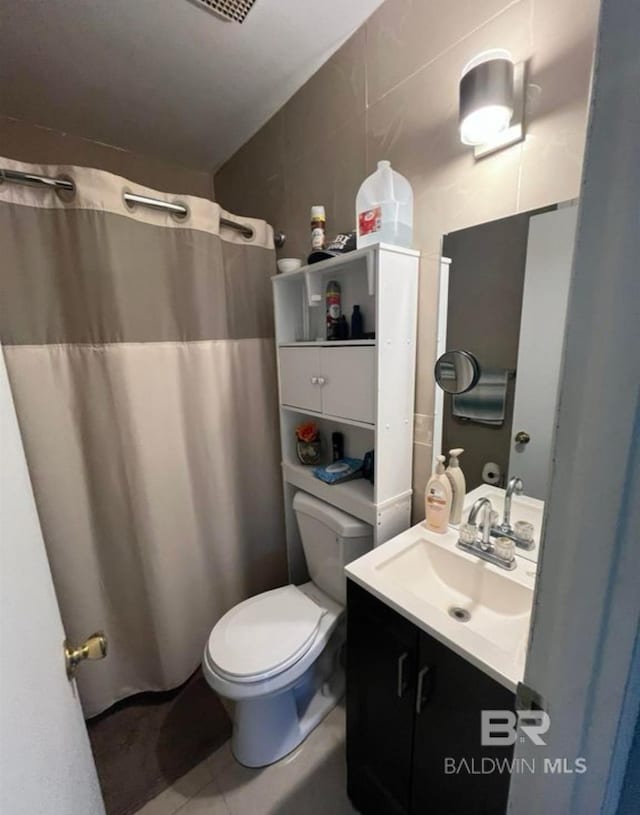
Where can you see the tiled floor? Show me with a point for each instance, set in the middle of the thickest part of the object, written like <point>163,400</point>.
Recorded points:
<point>311,781</point>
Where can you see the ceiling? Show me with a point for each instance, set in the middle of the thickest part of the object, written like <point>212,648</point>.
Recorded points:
<point>165,78</point>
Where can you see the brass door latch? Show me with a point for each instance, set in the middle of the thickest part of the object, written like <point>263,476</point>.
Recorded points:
<point>94,647</point>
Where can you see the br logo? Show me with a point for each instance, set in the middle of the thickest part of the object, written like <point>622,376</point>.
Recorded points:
<point>500,728</point>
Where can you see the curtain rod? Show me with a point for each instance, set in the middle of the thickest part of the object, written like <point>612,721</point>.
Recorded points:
<point>130,199</point>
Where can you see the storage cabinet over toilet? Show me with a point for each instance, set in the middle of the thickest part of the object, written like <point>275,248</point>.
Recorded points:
<point>337,381</point>
<point>362,388</point>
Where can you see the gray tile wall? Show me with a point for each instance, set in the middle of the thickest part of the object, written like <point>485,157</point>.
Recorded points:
<point>40,145</point>
<point>391,92</point>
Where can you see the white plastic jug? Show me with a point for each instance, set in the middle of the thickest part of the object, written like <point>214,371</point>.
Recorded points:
<point>384,208</point>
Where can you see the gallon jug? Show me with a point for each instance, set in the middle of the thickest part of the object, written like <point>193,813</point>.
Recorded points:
<point>384,208</point>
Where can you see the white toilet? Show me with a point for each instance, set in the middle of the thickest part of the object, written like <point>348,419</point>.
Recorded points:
<point>278,655</point>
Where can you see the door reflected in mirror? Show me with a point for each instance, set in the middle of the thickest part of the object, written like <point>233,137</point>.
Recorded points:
<point>457,371</point>
<point>504,292</point>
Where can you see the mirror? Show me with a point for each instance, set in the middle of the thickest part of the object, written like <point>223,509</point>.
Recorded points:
<point>504,287</point>
<point>457,371</point>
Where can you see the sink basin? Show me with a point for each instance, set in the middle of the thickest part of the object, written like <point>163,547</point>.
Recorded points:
<point>475,608</point>
<point>493,606</point>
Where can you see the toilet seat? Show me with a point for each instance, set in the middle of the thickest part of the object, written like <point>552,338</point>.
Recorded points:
<point>264,635</point>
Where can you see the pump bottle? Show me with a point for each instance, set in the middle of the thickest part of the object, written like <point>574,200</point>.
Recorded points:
<point>458,484</point>
<point>437,499</point>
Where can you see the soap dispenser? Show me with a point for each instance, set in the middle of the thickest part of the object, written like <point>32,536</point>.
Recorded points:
<point>458,484</point>
<point>437,499</point>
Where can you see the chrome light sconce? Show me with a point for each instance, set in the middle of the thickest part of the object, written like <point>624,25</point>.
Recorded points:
<point>492,102</point>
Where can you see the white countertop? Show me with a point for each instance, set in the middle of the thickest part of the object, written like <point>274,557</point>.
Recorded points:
<point>418,575</point>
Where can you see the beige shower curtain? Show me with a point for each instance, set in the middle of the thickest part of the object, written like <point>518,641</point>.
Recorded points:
<point>140,353</point>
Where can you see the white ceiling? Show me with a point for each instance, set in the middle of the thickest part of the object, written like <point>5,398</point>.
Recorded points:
<point>163,77</point>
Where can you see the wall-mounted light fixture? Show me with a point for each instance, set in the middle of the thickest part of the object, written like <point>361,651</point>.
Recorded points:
<point>492,102</point>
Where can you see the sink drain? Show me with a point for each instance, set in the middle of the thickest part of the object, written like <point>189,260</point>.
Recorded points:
<point>459,614</point>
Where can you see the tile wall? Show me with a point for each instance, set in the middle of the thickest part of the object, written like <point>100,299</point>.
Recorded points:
<point>391,92</point>
<point>22,141</point>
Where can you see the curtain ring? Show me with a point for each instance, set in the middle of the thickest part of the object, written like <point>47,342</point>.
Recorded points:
<point>66,196</point>
<point>179,217</point>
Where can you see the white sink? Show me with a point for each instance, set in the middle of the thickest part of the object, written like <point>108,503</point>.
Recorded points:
<point>485,601</point>
<point>480,611</point>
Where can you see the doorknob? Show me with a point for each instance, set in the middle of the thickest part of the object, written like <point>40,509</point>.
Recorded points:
<point>522,437</point>
<point>94,647</point>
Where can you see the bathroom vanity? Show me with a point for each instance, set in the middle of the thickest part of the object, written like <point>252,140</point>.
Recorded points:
<point>435,636</point>
<point>413,709</point>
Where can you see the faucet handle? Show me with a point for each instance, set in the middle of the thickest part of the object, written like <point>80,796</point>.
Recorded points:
<point>468,533</point>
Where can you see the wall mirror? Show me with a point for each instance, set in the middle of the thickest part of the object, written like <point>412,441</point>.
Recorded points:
<point>504,288</point>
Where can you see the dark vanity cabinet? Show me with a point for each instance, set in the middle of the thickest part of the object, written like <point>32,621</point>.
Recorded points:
<point>382,660</point>
<point>413,708</point>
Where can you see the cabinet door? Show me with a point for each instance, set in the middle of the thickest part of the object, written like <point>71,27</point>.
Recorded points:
<point>299,378</point>
<point>348,387</point>
<point>450,696</point>
<point>381,665</point>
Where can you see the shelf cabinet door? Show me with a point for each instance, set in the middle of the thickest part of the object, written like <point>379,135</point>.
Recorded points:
<point>348,387</point>
<point>450,696</point>
<point>381,666</point>
<point>299,378</point>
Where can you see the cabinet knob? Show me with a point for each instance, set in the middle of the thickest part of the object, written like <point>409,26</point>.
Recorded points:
<point>322,380</point>
<point>314,380</point>
<point>522,437</point>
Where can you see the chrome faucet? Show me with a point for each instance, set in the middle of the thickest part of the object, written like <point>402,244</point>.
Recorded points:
<point>515,485</point>
<point>482,547</point>
<point>504,529</point>
<point>482,503</point>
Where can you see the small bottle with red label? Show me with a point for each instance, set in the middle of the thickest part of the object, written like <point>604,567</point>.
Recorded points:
<point>318,228</point>
<point>334,309</point>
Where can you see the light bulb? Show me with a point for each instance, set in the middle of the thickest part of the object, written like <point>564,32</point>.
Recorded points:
<point>483,124</point>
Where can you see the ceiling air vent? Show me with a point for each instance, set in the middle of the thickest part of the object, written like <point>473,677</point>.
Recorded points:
<point>233,10</point>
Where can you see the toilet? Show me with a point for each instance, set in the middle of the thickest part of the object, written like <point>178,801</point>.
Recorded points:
<point>278,655</point>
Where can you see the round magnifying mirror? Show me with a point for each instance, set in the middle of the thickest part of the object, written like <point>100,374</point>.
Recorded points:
<point>457,371</point>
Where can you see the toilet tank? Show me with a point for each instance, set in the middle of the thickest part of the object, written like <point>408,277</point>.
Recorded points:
<point>330,539</point>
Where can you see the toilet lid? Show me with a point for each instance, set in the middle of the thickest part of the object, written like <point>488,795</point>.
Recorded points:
<point>265,634</point>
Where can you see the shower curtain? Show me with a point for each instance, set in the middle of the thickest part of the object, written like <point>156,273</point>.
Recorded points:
<point>141,359</point>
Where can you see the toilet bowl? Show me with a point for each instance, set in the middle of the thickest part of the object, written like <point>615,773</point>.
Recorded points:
<point>278,655</point>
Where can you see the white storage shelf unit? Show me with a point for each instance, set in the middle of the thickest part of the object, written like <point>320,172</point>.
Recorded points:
<point>362,388</point>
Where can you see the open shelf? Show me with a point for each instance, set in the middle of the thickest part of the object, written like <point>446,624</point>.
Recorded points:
<point>327,417</point>
<point>300,296</point>
<point>354,497</point>
<point>331,265</point>
<point>324,343</point>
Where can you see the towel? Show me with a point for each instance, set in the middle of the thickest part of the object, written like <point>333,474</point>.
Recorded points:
<point>485,403</point>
